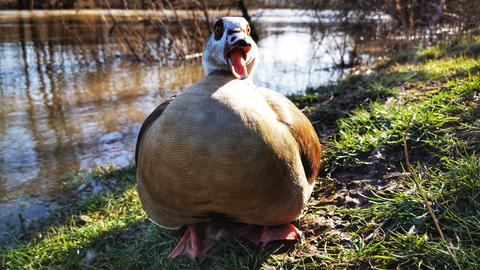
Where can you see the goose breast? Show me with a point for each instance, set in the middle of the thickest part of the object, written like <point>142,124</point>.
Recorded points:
<point>226,147</point>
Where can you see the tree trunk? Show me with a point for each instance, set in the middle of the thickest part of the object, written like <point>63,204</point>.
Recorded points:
<point>244,10</point>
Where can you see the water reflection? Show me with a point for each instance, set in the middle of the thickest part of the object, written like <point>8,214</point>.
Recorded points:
<point>291,67</point>
<point>301,49</point>
<point>59,113</point>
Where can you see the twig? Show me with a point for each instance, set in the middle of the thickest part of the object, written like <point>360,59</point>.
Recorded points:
<point>205,14</point>
<point>22,224</point>
<point>424,197</point>
<point>245,14</point>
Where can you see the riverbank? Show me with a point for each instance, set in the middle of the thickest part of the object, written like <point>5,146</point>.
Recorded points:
<point>399,141</point>
<point>120,15</point>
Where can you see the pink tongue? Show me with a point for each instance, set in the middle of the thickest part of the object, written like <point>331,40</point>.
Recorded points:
<point>237,63</point>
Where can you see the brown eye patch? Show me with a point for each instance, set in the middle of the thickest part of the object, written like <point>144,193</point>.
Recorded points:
<point>218,29</point>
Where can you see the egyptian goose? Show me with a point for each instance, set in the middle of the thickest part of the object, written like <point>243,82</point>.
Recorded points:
<point>227,152</point>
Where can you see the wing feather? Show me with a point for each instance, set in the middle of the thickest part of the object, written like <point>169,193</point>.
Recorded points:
<point>300,128</point>
<point>149,121</point>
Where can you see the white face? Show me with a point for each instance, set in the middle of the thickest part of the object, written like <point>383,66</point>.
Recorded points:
<point>230,48</point>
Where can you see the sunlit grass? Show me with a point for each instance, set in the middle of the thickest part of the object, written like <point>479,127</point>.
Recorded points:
<point>468,46</point>
<point>441,68</point>
<point>381,127</point>
<point>407,234</point>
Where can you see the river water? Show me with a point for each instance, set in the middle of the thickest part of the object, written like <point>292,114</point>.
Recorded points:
<point>62,110</point>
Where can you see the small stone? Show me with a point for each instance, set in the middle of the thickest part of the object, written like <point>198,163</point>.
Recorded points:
<point>83,219</point>
<point>89,256</point>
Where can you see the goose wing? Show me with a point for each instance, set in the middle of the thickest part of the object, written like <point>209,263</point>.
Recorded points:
<point>149,121</point>
<point>300,128</point>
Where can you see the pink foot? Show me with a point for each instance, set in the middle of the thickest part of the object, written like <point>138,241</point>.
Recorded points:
<point>190,245</point>
<point>266,234</point>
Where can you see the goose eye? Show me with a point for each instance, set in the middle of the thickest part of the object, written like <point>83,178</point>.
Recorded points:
<point>218,29</point>
<point>248,30</point>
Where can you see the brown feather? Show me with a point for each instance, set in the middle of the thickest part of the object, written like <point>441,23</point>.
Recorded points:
<point>301,129</point>
<point>224,147</point>
<point>150,119</point>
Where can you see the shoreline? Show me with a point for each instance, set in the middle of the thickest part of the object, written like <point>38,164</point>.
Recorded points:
<point>101,14</point>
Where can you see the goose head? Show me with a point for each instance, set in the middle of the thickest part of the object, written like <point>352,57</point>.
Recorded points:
<point>230,49</point>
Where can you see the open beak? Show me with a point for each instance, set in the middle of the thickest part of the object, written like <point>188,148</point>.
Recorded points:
<point>236,54</point>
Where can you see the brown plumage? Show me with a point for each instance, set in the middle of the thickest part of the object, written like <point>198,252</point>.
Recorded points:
<point>225,147</point>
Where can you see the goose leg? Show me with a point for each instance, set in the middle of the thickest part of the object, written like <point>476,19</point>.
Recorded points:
<point>191,245</point>
<point>199,238</point>
<point>262,235</point>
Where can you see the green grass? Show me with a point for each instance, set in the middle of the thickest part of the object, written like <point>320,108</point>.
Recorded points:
<point>431,124</point>
<point>366,211</point>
